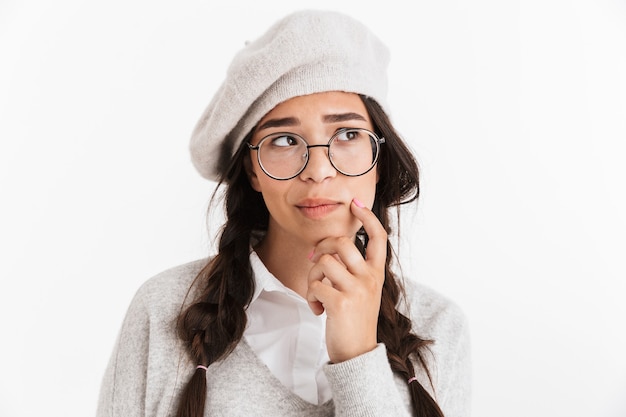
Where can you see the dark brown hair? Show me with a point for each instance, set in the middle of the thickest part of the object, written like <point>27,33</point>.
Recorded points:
<point>214,323</point>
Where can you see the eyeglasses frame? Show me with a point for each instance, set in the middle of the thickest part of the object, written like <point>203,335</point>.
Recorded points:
<point>378,142</point>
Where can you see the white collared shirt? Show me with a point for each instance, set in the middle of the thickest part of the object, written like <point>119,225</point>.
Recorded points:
<point>286,335</point>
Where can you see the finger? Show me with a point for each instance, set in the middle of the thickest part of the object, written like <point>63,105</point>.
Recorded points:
<point>376,253</point>
<point>331,271</point>
<point>318,295</point>
<point>345,252</point>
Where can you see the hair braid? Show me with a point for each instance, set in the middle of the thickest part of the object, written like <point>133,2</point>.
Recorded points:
<point>394,330</point>
<point>399,184</point>
<point>214,323</point>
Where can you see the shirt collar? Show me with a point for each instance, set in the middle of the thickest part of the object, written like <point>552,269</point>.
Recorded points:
<point>264,280</point>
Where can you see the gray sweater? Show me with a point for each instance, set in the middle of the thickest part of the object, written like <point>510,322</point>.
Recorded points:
<point>150,366</point>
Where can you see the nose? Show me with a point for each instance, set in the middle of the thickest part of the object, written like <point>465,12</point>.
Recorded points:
<point>318,167</point>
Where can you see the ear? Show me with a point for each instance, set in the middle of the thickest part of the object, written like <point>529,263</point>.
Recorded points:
<point>252,177</point>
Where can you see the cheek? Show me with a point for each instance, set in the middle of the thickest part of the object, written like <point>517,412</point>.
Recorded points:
<point>255,175</point>
<point>273,192</point>
<point>366,191</point>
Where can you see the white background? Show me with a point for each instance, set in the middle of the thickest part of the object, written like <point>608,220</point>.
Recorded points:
<point>515,109</point>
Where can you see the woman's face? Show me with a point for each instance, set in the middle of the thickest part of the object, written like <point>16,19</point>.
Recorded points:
<point>316,203</point>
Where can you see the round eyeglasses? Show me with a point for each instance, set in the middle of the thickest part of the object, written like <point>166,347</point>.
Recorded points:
<point>352,152</point>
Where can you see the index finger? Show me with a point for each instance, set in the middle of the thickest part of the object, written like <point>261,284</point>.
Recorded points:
<point>376,251</point>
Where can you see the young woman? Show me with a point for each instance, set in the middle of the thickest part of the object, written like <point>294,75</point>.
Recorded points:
<point>300,312</point>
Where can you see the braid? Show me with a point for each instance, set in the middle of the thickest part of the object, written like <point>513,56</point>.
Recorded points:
<point>214,323</point>
<point>394,330</point>
<point>398,184</point>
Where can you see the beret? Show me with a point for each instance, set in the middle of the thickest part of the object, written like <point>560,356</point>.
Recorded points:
<point>306,52</point>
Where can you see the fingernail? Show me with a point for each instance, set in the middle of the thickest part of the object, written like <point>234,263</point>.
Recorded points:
<point>310,256</point>
<point>358,202</point>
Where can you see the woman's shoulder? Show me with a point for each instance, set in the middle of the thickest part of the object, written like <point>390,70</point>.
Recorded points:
<point>175,278</point>
<point>168,289</point>
<point>434,315</point>
<point>440,320</point>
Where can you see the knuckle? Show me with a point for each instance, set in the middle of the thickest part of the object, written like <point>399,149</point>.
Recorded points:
<point>325,259</point>
<point>312,286</point>
<point>344,240</point>
<point>382,232</point>
<point>343,304</point>
<point>370,287</point>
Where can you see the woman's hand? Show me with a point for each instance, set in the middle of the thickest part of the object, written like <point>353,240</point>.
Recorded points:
<point>349,288</point>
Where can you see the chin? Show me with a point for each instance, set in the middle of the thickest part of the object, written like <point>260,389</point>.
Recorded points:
<point>321,233</point>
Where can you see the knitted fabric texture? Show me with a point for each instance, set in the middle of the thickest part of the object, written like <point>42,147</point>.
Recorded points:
<point>304,53</point>
<point>149,365</point>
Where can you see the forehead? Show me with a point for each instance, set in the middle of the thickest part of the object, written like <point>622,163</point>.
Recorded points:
<point>317,106</point>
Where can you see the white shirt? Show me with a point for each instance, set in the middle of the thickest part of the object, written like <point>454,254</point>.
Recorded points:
<point>286,335</point>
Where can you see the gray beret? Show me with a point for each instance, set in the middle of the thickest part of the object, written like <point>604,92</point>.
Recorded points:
<point>304,53</point>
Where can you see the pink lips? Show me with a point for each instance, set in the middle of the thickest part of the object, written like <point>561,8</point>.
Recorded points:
<point>315,208</point>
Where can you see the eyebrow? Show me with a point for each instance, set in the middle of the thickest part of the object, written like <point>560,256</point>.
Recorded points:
<point>342,117</point>
<point>286,121</point>
<point>293,121</point>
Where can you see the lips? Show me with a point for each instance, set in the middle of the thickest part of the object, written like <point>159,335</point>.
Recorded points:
<point>315,202</point>
<point>317,208</point>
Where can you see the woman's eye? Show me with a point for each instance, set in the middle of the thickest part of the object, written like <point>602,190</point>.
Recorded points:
<point>348,135</point>
<point>283,141</point>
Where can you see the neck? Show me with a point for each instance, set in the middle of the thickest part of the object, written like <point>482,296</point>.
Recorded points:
<point>287,260</point>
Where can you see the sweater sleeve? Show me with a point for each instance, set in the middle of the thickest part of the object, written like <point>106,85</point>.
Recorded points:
<point>122,393</point>
<point>437,318</point>
<point>365,386</point>
<point>123,389</point>
<point>142,378</point>
<point>454,384</point>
